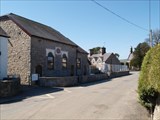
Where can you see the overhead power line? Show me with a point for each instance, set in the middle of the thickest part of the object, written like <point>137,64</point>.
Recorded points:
<point>159,14</point>
<point>122,18</point>
<point>149,14</point>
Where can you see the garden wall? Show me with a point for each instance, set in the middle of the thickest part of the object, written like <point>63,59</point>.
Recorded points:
<point>58,81</point>
<point>118,74</point>
<point>92,78</point>
<point>9,87</point>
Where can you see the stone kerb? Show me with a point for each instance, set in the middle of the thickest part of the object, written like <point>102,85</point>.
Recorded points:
<point>58,81</point>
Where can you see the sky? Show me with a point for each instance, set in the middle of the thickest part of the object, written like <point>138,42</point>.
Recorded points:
<point>90,25</point>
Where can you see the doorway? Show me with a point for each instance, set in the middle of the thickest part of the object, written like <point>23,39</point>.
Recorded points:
<point>72,70</point>
<point>39,70</point>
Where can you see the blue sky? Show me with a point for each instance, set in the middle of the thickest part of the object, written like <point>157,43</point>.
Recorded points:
<point>89,25</point>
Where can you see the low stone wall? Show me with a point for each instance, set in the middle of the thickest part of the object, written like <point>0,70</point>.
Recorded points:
<point>118,74</point>
<point>92,78</point>
<point>156,115</point>
<point>9,87</point>
<point>58,81</point>
<point>74,80</point>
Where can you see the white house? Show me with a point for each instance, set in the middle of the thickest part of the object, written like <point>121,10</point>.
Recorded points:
<point>3,53</point>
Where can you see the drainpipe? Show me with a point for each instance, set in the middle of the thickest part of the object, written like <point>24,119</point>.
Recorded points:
<point>76,66</point>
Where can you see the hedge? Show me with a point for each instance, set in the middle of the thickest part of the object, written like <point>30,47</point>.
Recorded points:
<point>149,80</point>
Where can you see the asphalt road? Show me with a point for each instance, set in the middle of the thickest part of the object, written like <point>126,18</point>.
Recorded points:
<point>113,99</point>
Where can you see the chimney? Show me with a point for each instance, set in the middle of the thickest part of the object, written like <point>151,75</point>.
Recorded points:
<point>131,51</point>
<point>103,50</point>
<point>91,52</point>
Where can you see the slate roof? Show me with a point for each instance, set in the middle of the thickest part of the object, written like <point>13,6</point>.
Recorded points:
<point>130,57</point>
<point>80,50</point>
<point>33,28</point>
<point>3,33</point>
<point>104,56</point>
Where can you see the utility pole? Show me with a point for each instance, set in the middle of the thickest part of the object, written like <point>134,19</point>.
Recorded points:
<point>150,38</point>
<point>150,30</point>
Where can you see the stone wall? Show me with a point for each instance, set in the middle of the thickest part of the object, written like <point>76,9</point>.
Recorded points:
<point>157,110</point>
<point>9,87</point>
<point>39,57</point>
<point>58,81</point>
<point>70,81</point>
<point>73,80</point>
<point>118,74</point>
<point>92,78</point>
<point>84,69</point>
<point>18,51</point>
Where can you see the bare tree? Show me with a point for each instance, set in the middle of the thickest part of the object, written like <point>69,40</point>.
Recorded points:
<point>155,38</point>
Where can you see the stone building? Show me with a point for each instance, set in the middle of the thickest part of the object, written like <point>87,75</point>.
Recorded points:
<point>128,60</point>
<point>103,57</point>
<point>3,53</point>
<point>37,48</point>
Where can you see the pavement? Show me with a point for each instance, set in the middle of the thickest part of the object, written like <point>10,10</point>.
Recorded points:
<point>107,99</point>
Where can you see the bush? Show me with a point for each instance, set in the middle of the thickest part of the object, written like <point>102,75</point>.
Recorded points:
<point>149,80</point>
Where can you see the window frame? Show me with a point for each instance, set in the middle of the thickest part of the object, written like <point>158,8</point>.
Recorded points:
<point>78,63</point>
<point>64,61</point>
<point>50,63</point>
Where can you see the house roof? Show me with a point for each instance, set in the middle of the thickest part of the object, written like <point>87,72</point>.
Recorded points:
<point>3,33</point>
<point>130,57</point>
<point>81,50</point>
<point>104,56</point>
<point>33,28</point>
<point>36,29</point>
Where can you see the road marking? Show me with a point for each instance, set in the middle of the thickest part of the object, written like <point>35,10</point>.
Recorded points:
<point>50,96</point>
<point>80,87</point>
<point>45,96</point>
<point>68,91</point>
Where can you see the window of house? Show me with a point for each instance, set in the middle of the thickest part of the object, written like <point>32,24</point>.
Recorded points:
<point>78,63</point>
<point>50,61</point>
<point>64,61</point>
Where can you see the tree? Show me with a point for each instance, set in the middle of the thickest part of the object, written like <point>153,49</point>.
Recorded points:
<point>155,38</point>
<point>138,54</point>
<point>95,50</point>
<point>149,80</point>
<point>117,55</point>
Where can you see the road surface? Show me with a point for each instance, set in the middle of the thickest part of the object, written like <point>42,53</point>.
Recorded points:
<point>109,99</point>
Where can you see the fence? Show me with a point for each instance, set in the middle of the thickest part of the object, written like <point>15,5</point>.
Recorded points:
<point>109,68</point>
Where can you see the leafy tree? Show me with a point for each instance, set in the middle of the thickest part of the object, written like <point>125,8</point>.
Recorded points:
<point>149,80</point>
<point>155,38</point>
<point>95,50</point>
<point>117,55</point>
<point>138,54</point>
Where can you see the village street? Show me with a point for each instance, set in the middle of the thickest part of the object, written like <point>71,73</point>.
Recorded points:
<point>109,99</point>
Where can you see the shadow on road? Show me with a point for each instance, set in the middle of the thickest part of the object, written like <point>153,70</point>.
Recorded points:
<point>27,92</point>
<point>95,82</point>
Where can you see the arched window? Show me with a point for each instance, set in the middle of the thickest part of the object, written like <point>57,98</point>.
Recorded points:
<point>50,61</point>
<point>78,63</point>
<point>64,61</point>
